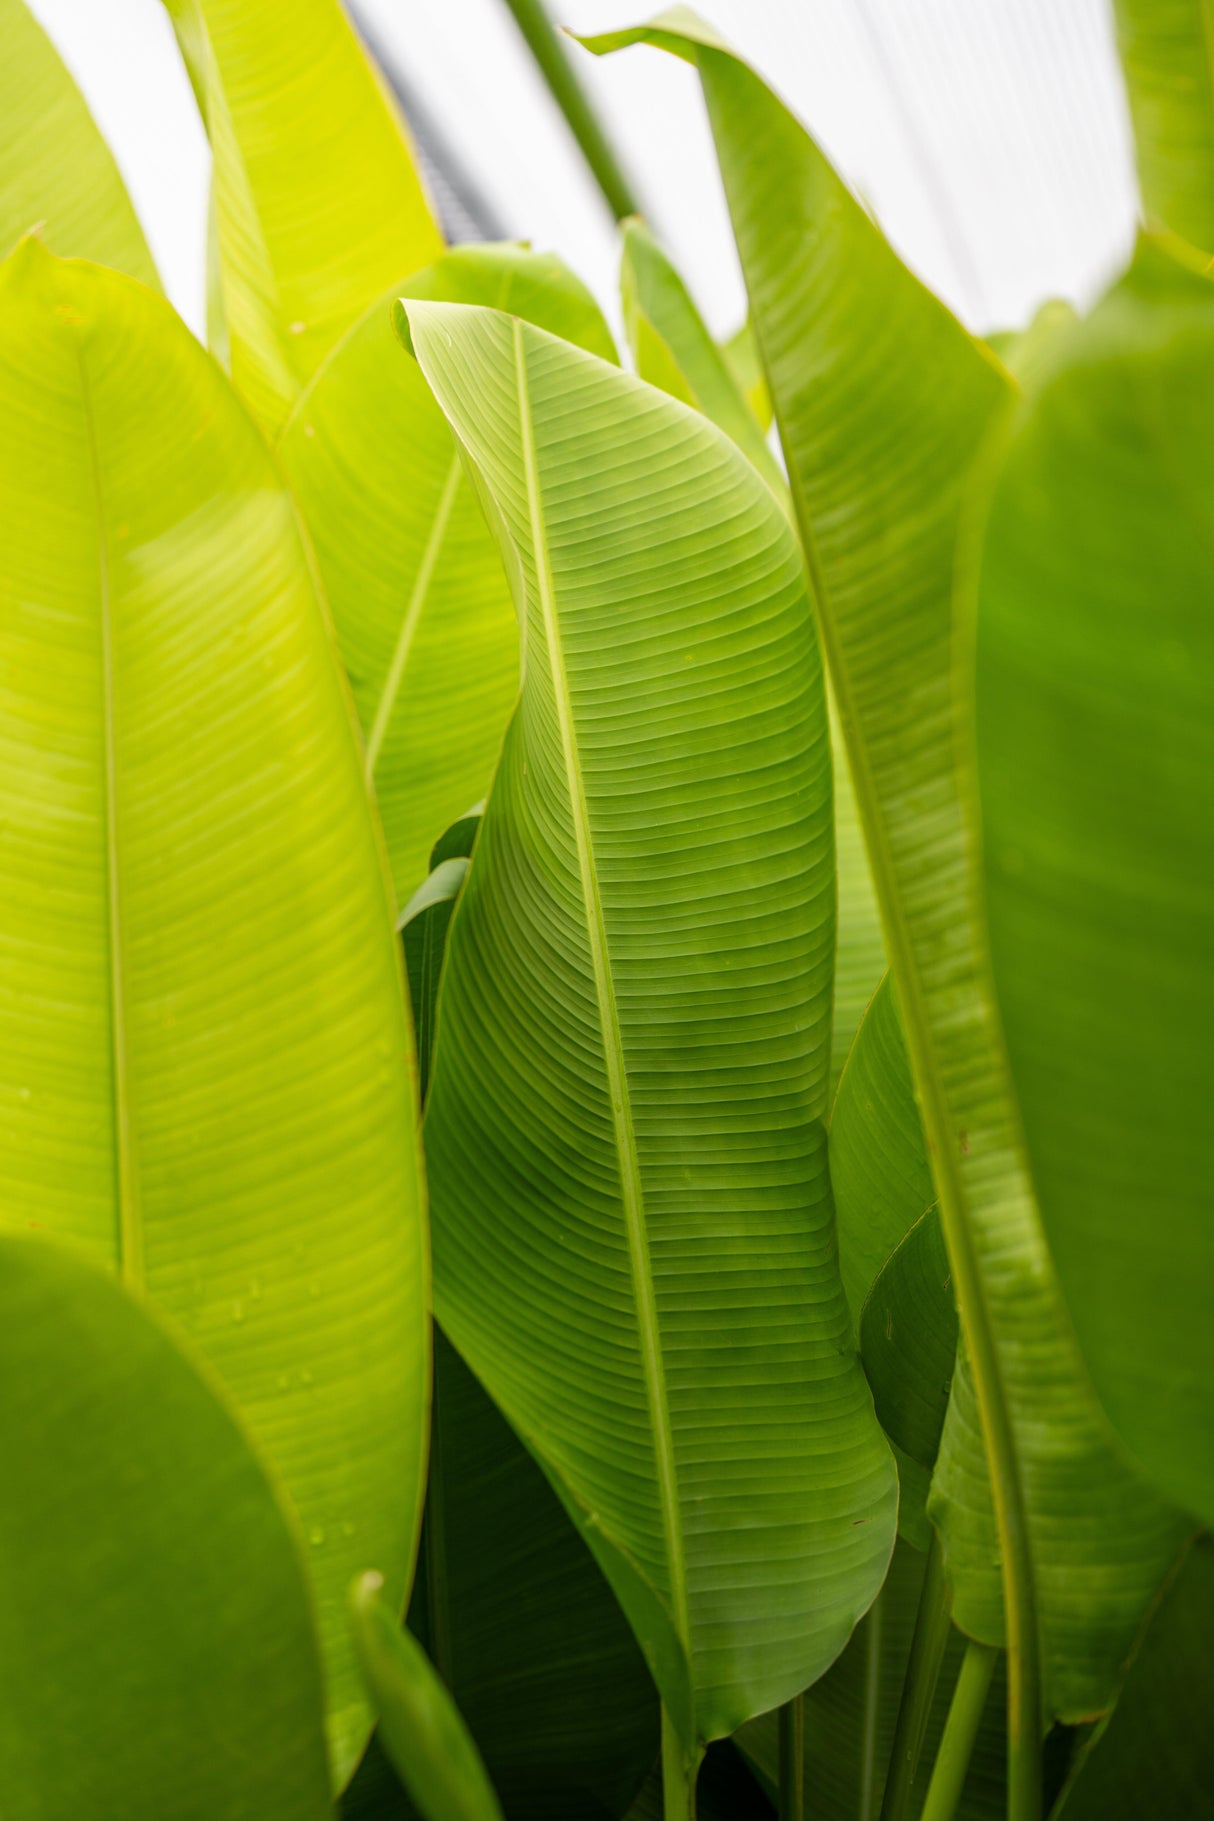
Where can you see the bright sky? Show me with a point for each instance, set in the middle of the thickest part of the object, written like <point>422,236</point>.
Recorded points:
<point>989,137</point>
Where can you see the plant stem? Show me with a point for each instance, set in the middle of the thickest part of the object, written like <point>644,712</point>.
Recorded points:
<point>792,1759</point>
<point>961,1727</point>
<point>874,1632</point>
<point>932,1623</point>
<point>679,1774</point>
<point>575,104</point>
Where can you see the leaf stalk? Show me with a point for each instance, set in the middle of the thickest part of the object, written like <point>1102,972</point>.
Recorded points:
<point>558,72</point>
<point>960,1731</point>
<point>679,1772</point>
<point>792,1759</point>
<point>932,1624</point>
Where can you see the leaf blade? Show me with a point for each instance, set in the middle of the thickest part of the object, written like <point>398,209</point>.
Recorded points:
<point>1094,604</point>
<point>884,404</point>
<point>423,613</point>
<point>195,910</point>
<point>318,204</point>
<point>153,1604</point>
<point>588,850</point>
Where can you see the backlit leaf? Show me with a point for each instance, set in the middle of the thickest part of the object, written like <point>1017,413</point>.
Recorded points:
<point>633,1232</point>
<point>205,1058</point>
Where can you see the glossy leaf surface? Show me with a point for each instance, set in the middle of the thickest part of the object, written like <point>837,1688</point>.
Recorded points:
<point>318,204</point>
<point>624,1136</point>
<point>419,1726</point>
<point>57,175</point>
<point>205,1057</point>
<point>157,1651</point>
<point>1095,716</point>
<point>883,404</point>
<point>421,604</point>
<point>1166,50</point>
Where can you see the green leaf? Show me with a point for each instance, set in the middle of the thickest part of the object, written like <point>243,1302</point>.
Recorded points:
<point>514,1612</point>
<point>421,605</point>
<point>205,1059</point>
<point>633,1232</point>
<point>1167,47</point>
<point>157,1650</point>
<point>908,1341</point>
<point>520,1622</point>
<point>458,841</point>
<point>878,1160</point>
<point>420,1726</point>
<point>57,175</point>
<point>741,353</point>
<point>883,404</point>
<point>1154,1755</point>
<point>423,926</point>
<point>1095,716</point>
<point>1026,352</point>
<point>884,1194</point>
<point>318,203</point>
<point>673,349</point>
<point>851,1713</point>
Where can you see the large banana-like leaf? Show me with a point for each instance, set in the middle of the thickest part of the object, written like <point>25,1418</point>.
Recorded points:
<point>157,1650</point>
<point>634,1237</point>
<point>851,1713</point>
<point>204,1053</point>
<point>421,604</point>
<point>883,403</point>
<point>57,175</point>
<point>513,1610</point>
<point>1167,52</point>
<point>1095,723</point>
<point>672,348</point>
<point>1154,1755</point>
<point>317,200</point>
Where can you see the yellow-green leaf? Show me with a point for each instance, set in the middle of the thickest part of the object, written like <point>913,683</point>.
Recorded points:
<point>884,404</point>
<point>57,175</point>
<point>422,607</point>
<point>205,1060</point>
<point>1167,52</point>
<point>318,204</point>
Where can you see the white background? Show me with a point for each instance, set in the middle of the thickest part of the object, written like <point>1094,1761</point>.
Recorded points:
<point>989,137</point>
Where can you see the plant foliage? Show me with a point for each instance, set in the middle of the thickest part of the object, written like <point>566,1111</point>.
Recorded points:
<point>810,1408</point>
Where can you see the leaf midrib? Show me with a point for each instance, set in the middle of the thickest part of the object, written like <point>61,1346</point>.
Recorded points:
<point>418,594</point>
<point>1002,1451</point>
<point>632,1195</point>
<point>130,1209</point>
